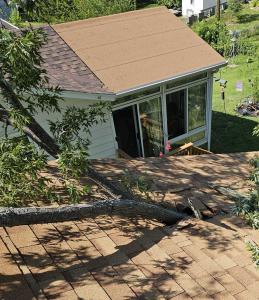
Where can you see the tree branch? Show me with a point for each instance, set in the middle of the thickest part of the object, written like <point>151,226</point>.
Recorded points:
<point>33,130</point>
<point>29,131</point>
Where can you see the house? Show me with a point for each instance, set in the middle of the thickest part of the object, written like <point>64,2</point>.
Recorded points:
<point>4,9</point>
<point>156,72</point>
<point>196,7</point>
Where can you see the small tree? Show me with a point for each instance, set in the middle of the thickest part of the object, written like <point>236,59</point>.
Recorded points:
<point>235,6</point>
<point>25,93</point>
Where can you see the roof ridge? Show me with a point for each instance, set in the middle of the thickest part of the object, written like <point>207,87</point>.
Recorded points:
<point>95,19</point>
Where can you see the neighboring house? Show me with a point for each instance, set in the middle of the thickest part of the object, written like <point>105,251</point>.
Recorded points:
<point>4,10</point>
<point>195,7</point>
<point>156,71</point>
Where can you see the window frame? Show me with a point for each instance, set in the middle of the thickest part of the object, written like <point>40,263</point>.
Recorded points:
<point>196,130</point>
<point>163,92</point>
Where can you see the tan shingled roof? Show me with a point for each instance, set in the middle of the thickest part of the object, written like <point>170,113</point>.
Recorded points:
<point>138,48</point>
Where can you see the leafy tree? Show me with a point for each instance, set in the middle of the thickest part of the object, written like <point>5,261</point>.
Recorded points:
<point>57,11</point>
<point>25,93</point>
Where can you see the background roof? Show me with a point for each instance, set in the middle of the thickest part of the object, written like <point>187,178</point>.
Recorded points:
<point>133,49</point>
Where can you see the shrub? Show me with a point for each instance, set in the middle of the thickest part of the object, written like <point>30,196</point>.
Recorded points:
<point>170,3</point>
<point>255,252</point>
<point>248,207</point>
<point>235,6</point>
<point>251,31</point>
<point>214,33</point>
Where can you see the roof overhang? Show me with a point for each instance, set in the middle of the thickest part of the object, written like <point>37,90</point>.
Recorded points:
<point>212,68</point>
<point>132,50</point>
<point>88,96</point>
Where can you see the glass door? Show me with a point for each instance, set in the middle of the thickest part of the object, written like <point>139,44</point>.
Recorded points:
<point>176,107</point>
<point>150,115</point>
<point>127,130</point>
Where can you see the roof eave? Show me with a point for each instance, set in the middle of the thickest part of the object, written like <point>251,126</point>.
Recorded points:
<point>212,68</point>
<point>66,94</point>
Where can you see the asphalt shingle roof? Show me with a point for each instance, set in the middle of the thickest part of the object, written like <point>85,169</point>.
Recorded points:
<point>65,68</point>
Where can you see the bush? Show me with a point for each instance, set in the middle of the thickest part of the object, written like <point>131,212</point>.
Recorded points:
<point>235,6</point>
<point>251,31</point>
<point>215,33</point>
<point>170,3</point>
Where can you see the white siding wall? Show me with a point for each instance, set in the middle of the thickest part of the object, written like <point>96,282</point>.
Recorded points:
<point>103,143</point>
<point>211,3</point>
<point>190,7</point>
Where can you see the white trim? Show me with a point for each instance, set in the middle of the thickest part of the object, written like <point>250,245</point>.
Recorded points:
<point>162,96</point>
<point>187,85</point>
<point>136,101</point>
<point>113,132</point>
<point>152,84</point>
<point>6,23</point>
<point>164,116</point>
<point>200,142</point>
<point>188,134</point>
<point>87,96</point>
<point>140,131</point>
<point>210,96</point>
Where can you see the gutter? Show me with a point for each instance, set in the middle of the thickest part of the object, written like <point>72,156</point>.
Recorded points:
<point>87,96</point>
<point>213,68</point>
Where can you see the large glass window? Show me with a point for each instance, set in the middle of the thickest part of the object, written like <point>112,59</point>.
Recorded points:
<point>185,115</point>
<point>176,113</point>
<point>136,96</point>
<point>197,106</point>
<point>151,125</point>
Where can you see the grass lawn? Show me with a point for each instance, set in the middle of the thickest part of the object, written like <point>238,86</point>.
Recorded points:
<point>230,132</point>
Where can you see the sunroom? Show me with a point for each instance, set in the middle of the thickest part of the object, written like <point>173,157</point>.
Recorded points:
<point>174,112</point>
<point>154,69</point>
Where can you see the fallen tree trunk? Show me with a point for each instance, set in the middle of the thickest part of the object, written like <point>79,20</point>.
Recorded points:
<point>128,208</point>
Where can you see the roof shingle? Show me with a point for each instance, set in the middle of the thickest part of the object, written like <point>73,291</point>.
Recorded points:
<point>65,68</point>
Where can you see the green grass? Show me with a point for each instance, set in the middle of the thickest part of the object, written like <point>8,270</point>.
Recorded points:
<point>231,132</point>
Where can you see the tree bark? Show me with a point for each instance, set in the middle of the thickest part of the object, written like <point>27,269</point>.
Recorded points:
<point>231,194</point>
<point>218,10</point>
<point>128,208</point>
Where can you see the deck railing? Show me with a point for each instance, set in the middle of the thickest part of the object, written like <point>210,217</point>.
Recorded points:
<point>188,149</point>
